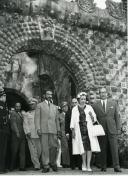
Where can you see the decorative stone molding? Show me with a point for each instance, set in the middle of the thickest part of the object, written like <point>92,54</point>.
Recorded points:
<point>67,47</point>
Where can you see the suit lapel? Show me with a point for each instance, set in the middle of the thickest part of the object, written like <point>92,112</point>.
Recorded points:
<point>46,105</point>
<point>108,105</point>
<point>100,106</point>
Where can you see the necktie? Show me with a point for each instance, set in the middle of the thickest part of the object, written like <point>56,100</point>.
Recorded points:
<point>49,103</point>
<point>104,105</point>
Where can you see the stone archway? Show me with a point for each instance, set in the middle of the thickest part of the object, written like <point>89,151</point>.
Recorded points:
<point>14,96</point>
<point>67,47</point>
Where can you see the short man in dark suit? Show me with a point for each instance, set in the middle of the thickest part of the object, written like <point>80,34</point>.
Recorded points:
<point>107,115</point>
<point>18,137</point>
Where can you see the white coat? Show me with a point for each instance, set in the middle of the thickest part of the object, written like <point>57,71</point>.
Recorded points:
<point>77,143</point>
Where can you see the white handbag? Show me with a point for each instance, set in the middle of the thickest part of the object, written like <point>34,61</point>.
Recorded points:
<point>97,130</point>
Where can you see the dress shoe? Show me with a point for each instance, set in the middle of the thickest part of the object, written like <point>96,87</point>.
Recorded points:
<point>73,167</point>
<point>36,169</point>
<point>89,169</point>
<point>65,166</point>
<point>54,168</point>
<point>84,168</point>
<point>22,169</point>
<point>103,169</point>
<point>117,170</point>
<point>45,170</point>
<point>80,168</point>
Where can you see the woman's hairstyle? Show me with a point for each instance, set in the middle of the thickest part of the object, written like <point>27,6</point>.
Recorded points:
<point>81,94</point>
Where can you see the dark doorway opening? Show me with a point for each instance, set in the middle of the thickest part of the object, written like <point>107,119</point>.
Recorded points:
<point>14,96</point>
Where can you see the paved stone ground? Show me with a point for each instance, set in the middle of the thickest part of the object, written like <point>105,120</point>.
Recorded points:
<point>63,171</point>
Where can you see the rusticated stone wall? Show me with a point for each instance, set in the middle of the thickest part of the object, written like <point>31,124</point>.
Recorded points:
<point>73,52</point>
<point>93,58</point>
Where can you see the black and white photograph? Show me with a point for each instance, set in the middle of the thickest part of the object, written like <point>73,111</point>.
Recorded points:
<point>63,87</point>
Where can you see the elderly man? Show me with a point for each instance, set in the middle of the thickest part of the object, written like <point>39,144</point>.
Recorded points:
<point>31,134</point>
<point>47,126</point>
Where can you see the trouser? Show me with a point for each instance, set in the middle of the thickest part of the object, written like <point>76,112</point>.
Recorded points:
<point>58,160</point>
<point>18,146</point>
<point>65,151</point>
<point>75,160</point>
<point>35,151</point>
<point>49,144</point>
<point>3,150</point>
<point>102,156</point>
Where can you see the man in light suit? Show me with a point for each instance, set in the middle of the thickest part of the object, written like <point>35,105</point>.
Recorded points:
<point>107,115</point>
<point>47,126</point>
<point>31,134</point>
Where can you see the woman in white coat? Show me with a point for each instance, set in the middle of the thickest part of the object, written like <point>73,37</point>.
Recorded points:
<point>84,143</point>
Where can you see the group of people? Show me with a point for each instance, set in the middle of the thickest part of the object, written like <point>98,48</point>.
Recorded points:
<point>60,137</point>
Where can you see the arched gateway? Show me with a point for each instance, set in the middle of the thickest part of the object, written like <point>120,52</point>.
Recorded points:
<point>68,48</point>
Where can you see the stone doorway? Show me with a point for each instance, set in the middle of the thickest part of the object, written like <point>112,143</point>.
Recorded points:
<point>66,46</point>
<point>31,73</point>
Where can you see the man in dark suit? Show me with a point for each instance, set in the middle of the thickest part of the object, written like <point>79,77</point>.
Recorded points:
<point>48,128</point>
<point>107,115</point>
<point>4,131</point>
<point>18,137</point>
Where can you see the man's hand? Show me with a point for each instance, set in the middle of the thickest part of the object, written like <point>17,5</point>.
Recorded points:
<point>59,134</point>
<point>28,135</point>
<point>73,134</point>
<point>39,132</point>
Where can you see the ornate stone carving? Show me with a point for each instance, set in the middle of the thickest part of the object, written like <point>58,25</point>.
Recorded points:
<point>87,5</point>
<point>115,9</point>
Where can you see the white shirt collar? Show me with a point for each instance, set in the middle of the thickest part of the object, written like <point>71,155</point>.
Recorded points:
<point>64,113</point>
<point>46,101</point>
<point>104,101</point>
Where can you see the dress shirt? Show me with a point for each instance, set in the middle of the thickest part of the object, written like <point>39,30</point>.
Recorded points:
<point>105,101</point>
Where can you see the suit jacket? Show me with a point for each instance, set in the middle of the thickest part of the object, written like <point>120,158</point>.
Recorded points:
<point>47,118</point>
<point>62,123</point>
<point>16,120</point>
<point>4,119</point>
<point>110,119</point>
<point>67,122</point>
